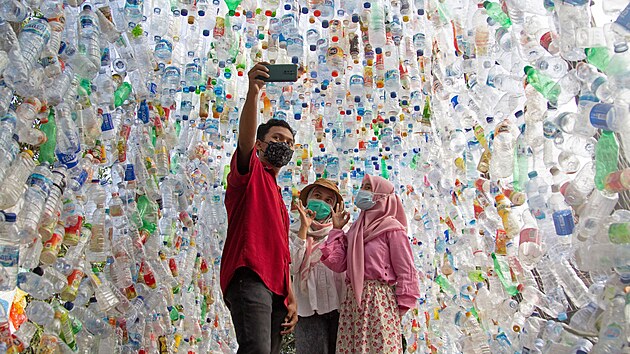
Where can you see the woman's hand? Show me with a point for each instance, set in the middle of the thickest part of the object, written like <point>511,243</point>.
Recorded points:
<point>340,217</point>
<point>306,219</point>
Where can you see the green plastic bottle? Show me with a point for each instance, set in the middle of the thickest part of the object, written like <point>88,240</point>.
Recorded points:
<point>384,172</point>
<point>606,156</point>
<point>232,5</point>
<point>598,57</point>
<point>122,93</point>
<point>47,149</point>
<point>543,84</point>
<point>510,288</point>
<point>445,285</point>
<point>495,12</point>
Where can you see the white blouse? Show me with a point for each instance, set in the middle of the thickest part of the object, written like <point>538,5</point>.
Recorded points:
<point>325,289</point>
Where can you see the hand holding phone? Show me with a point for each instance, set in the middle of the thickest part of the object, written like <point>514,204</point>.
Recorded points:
<point>280,73</point>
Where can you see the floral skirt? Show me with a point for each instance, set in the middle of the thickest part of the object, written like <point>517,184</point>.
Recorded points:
<point>373,329</point>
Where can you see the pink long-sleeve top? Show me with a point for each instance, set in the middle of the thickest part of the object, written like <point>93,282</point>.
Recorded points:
<point>388,258</point>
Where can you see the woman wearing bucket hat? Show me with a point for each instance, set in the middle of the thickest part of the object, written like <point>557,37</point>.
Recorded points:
<point>318,289</point>
<point>376,255</point>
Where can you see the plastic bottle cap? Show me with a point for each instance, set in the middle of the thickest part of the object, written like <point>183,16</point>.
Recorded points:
<point>10,217</point>
<point>39,271</point>
<point>201,13</point>
<point>68,306</point>
<point>532,174</point>
<point>378,50</point>
<point>325,24</point>
<point>621,47</point>
<point>184,12</point>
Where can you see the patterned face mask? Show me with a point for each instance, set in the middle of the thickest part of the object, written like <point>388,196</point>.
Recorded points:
<point>278,154</point>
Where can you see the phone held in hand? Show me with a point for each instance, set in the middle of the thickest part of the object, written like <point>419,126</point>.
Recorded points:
<point>281,73</point>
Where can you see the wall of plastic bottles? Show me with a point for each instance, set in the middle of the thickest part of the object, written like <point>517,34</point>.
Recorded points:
<point>502,123</point>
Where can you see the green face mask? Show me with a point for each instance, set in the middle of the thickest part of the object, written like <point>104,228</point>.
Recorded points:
<point>321,208</point>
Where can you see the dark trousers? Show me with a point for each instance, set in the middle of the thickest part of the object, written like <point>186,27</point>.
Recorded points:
<point>257,313</point>
<point>317,334</point>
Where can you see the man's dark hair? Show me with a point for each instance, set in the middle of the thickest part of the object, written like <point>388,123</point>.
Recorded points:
<point>263,129</point>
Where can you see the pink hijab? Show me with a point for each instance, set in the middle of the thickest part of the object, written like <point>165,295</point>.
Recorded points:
<point>386,215</point>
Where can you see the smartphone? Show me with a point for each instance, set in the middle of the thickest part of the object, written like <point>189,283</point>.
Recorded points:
<point>281,73</point>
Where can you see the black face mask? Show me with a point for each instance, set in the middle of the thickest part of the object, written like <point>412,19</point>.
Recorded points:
<point>278,154</point>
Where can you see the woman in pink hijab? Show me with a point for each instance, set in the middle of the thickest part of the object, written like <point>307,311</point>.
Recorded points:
<point>376,255</point>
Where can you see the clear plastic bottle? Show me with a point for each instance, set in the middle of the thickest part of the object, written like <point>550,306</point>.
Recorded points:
<point>13,11</point>
<point>377,24</point>
<point>501,164</point>
<point>33,39</point>
<point>49,212</point>
<point>14,185</point>
<point>614,328</point>
<point>9,251</point>
<point>39,185</point>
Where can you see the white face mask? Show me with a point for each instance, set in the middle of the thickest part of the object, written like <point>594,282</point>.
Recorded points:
<point>364,200</point>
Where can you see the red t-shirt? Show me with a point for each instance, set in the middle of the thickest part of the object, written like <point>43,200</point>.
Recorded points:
<point>258,227</point>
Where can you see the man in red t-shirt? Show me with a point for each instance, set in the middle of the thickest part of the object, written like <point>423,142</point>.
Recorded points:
<point>255,264</point>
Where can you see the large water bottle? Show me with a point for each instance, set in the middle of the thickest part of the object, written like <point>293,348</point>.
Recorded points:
<point>52,203</point>
<point>68,141</point>
<point>572,16</point>
<point>35,284</point>
<point>8,145</point>
<point>502,162</point>
<point>33,39</point>
<point>13,11</point>
<point>530,249</point>
<point>39,184</point>
<point>614,328</point>
<point>377,24</point>
<point>89,34</point>
<point>9,252</point>
<point>13,186</point>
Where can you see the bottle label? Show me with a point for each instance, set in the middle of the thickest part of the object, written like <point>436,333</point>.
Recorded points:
<point>37,180</point>
<point>545,40</point>
<point>529,235</point>
<point>52,246</point>
<point>81,178</point>
<point>613,331</point>
<point>501,242</point>
<point>9,256</point>
<point>39,28</point>
<point>623,19</point>
<point>563,222</point>
<point>87,21</point>
<point>69,160</point>
<point>108,123</point>
<point>598,115</point>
